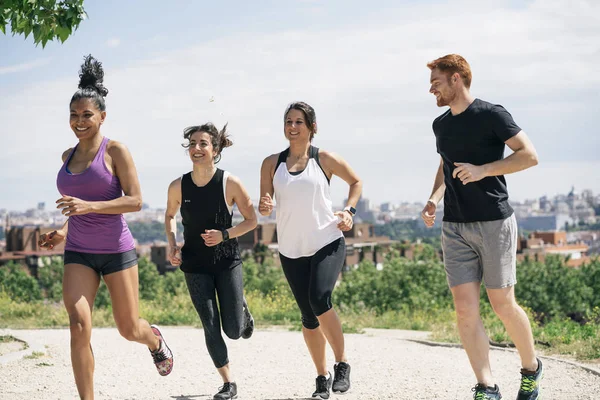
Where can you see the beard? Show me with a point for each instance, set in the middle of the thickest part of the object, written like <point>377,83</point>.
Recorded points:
<point>446,99</point>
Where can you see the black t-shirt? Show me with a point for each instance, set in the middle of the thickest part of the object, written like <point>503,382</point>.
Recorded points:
<point>204,207</point>
<point>475,136</point>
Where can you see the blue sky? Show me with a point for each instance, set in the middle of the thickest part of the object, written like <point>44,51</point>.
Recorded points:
<point>360,64</point>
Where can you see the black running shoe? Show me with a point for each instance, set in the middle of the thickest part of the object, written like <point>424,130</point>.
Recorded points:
<point>323,386</point>
<point>530,383</point>
<point>227,391</point>
<point>482,392</point>
<point>341,377</point>
<point>248,322</point>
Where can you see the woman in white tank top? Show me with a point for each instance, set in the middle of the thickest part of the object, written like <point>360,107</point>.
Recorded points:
<point>310,239</point>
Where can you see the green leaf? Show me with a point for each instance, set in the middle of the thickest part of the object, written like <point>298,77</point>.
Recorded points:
<point>62,33</point>
<point>22,24</point>
<point>47,19</point>
<point>27,31</point>
<point>36,34</point>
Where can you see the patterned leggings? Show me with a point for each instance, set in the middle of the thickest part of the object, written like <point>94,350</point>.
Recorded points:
<point>204,289</point>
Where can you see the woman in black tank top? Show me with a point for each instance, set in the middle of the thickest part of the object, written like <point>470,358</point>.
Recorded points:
<point>210,256</point>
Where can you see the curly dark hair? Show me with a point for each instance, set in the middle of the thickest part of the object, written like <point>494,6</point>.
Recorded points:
<point>91,77</point>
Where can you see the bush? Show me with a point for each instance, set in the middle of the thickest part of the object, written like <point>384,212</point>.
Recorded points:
<point>264,278</point>
<point>551,289</point>
<point>50,279</point>
<point>18,284</point>
<point>402,284</point>
<point>591,275</point>
<point>150,280</point>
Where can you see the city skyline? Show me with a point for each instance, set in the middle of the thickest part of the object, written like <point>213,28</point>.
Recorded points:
<point>361,66</point>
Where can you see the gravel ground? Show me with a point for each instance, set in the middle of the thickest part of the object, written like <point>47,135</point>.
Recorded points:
<point>273,365</point>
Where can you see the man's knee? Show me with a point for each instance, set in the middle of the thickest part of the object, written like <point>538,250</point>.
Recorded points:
<point>505,309</point>
<point>466,309</point>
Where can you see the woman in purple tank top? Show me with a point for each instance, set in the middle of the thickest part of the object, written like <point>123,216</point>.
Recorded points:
<point>98,183</point>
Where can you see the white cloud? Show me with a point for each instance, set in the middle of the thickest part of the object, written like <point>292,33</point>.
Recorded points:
<point>9,69</point>
<point>368,83</point>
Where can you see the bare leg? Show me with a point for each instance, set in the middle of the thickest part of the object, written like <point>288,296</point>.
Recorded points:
<point>225,373</point>
<point>80,285</point>
<point>516,322</point>
<point>332,328</point>
<point>124,290</point>
<point>316,342</point>
<point>472,334</point>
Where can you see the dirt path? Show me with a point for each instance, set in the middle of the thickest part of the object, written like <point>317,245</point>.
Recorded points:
<point>272,365</point>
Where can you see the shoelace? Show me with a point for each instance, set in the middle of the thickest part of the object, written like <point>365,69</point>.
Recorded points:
<point>225,388</point>
<point>480,393</point>
<point>342,371</point>
<point>528,384</point>
<point>321,384</point>
<point>159,355</point>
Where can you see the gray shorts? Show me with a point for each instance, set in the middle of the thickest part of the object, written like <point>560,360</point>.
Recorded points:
<point>481,250</point>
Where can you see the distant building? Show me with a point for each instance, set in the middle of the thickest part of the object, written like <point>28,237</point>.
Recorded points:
<point>540,244</point>
<point>22,247</point>
<point>544,222</point>
<point>159,256</point>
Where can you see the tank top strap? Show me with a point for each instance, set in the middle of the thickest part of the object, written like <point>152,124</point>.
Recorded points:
<point>70,156</point>
<point>282,157</point>
<point>100,154</point>
<point>313,152</point>
<point>218,178</point>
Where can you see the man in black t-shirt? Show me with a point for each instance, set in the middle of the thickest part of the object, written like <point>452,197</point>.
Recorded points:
<point>479,231</point>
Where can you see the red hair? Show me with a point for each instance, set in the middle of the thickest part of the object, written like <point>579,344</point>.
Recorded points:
<point>451,64</point>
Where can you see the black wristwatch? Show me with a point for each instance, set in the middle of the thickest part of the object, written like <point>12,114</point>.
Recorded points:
<point>351,210</point>
<point>225,234</point>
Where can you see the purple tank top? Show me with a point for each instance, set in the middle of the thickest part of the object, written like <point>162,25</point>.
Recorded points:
<point>94,233</point>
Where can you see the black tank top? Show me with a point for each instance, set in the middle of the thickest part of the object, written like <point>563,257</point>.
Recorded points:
<point>206,208</point>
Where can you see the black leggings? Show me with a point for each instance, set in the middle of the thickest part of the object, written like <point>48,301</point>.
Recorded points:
<point>228,285</point>
<point>313,278</point>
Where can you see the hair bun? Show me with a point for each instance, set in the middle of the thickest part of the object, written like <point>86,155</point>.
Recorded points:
<point>91,76</point>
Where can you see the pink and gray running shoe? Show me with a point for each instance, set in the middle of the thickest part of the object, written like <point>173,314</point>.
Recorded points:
<point>163,358</point>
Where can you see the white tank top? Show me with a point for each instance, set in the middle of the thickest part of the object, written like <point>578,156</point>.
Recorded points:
<point>305,219</point>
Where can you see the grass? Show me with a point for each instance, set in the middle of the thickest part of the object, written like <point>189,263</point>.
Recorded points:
<point>7,339</point>
<point>34,355</point>
<point>44,364</point>
<point>564,337</point>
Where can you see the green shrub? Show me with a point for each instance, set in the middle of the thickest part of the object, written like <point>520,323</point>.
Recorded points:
<point>151,283</point>
<point>18,284</point>
<point>264,278</point>
<point>50,278</point>
<point>401,284</point>
<point>551,289</point>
